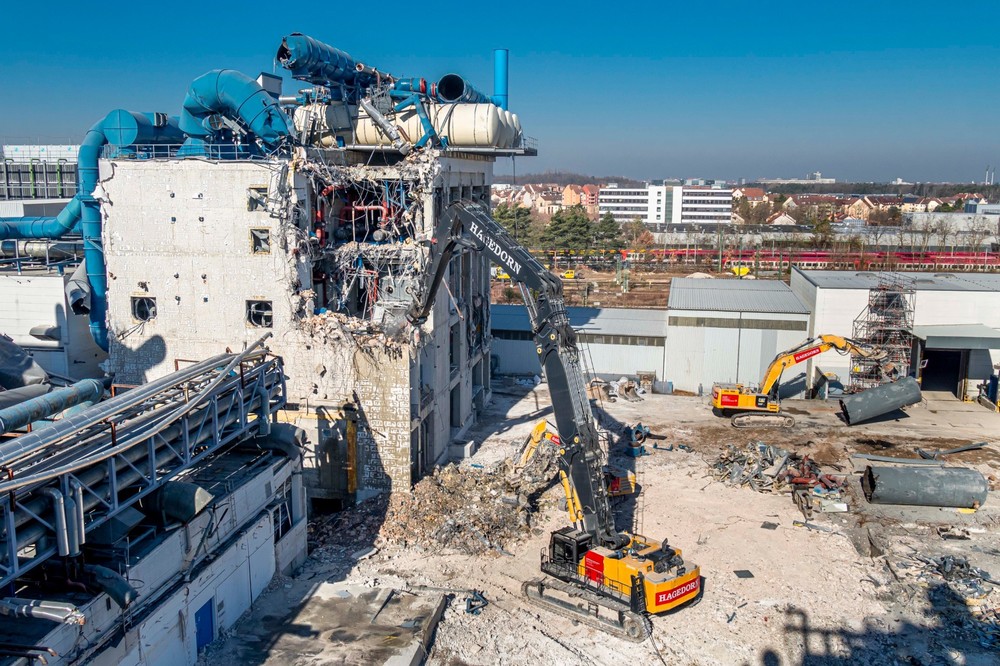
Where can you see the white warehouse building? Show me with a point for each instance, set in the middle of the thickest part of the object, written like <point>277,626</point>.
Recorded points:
<point>730,331</point>
<point>956,317</point>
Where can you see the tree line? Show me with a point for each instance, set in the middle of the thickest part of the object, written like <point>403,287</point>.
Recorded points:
<point>571,229</point>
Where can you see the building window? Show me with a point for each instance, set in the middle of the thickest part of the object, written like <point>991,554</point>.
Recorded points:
<point>260,314</point>
<point>143,308</point>
<point>256,197</point>
<point>260,241</point>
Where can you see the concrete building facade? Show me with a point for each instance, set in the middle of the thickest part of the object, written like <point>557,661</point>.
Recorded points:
<point>200,251</point>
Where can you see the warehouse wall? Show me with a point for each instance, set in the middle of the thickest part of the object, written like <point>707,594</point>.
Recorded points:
<point>701,350</point>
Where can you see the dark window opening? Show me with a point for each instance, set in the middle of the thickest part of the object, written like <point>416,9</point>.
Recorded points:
<point>260,314</point>
<point>260,241</point>
<point>143,308</point>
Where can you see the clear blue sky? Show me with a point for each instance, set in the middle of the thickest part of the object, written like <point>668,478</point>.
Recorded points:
<point>859,91</point>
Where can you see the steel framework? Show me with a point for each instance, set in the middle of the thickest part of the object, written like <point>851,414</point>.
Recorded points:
<point>81,472</point>
<point>887,323</point>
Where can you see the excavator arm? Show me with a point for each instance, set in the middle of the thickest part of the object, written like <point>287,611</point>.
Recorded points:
<point>809,349</point>
<point>468,225</point>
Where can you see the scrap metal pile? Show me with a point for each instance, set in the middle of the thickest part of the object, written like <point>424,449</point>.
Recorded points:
<point>770,469</point>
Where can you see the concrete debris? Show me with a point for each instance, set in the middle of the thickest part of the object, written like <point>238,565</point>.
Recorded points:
<point>467,509</point>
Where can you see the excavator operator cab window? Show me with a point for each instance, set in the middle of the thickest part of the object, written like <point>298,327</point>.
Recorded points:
<point>568,546</point>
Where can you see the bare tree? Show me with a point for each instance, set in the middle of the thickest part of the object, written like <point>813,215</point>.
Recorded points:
<point>944,230</point>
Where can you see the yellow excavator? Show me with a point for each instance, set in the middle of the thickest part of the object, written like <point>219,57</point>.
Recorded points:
<point>759,406</point>
<point>594,573</point>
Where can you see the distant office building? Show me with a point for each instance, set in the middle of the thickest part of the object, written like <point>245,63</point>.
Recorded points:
<point>659,205</point>
<point>815,178</point>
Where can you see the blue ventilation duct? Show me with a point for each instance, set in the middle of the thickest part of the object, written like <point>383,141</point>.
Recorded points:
<point>311,60</point>
<point>236,96</point>
<point>453,88</point>
<point>120,128</point>
<point>50,404</point>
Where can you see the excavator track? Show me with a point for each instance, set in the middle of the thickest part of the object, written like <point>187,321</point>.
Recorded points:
<point>762,420</point>
<point>588,607</point>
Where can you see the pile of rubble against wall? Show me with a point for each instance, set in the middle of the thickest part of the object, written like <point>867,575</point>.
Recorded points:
<point>468,509</point>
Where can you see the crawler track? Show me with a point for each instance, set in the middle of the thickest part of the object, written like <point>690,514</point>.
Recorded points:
<point>588,607</point>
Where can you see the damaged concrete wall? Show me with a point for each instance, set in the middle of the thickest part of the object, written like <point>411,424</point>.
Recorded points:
<point>194,247</point>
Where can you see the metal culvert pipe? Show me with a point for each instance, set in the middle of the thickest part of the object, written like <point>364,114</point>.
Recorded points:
<point>50,404</point>
<point>40,249</point>
<point>925,486</point>
<point>880,400</point>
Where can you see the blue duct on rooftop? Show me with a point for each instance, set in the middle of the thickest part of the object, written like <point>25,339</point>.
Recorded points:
<point>120,128</point>
<point>236,96</point>
<point>500,77</point>
<point>453,88</point>
<point>311,60</point>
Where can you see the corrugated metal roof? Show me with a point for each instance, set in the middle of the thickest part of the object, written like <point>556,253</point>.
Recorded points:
<point>610,321</point>
<point>734,296</point>
<point>918,281</point>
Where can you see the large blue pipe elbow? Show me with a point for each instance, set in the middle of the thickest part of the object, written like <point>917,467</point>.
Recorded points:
<point>236,96</point>
<point>311,60</point>
<point>42,227</point>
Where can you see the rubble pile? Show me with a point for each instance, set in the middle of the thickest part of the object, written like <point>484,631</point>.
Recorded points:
<point>469,509</point>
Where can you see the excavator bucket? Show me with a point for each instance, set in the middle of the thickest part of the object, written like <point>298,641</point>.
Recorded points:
<point>540,436</point>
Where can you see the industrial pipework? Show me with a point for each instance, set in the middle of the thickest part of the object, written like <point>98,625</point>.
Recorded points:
<point>311,60</point>
<point>120,128</point>
<point>236,96</point>
<point>452,88</point>
<point>50,404</point>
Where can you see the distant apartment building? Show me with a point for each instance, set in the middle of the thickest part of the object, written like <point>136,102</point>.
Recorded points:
<point>660,205</point>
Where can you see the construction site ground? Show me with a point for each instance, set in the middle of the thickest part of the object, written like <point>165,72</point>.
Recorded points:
<point>856,594</point>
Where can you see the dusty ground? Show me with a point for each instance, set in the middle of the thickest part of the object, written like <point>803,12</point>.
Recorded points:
<point>854,595</point>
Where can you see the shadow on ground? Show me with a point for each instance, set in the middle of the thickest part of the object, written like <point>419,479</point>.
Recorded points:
<point>950,634</point>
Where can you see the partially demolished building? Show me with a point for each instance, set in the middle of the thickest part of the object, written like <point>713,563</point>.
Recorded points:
<point>309,216</point>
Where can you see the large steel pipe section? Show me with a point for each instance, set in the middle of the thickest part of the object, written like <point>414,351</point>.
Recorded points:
<point>50,404</point>
<point>880,400</point>
<point>925,486</point>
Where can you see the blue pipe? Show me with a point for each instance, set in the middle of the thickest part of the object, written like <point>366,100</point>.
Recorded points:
<point>50,404</point>
<point>238,97</point>
<point>500,78</point>
<point>311,60</point>
<point>117,127</point>
<point>453,88</point>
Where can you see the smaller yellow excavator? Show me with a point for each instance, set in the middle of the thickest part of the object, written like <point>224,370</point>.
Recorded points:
<point>759,406</point>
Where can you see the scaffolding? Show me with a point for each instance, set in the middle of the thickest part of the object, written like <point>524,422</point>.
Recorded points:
<point>886,323</point>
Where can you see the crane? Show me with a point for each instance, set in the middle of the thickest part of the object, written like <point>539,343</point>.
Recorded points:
<point>758,406</point>
<point>595,574</point>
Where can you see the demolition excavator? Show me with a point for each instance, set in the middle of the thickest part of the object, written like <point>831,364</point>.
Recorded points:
<point>760,407</point>
<point>595,574</point>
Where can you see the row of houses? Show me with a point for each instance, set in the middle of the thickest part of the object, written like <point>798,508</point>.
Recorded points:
<point>826,206</point>
<point>547,198</point>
